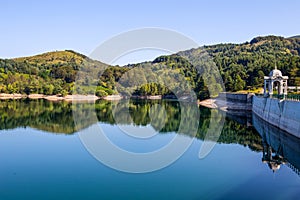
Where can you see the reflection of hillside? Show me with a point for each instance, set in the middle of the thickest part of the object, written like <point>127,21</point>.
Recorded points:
<point>40,114</point>
<point>232,132</point>
<point>163,116</point>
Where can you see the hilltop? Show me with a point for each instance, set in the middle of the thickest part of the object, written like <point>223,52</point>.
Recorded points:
<point>242,67</point>
<point>48,73</point>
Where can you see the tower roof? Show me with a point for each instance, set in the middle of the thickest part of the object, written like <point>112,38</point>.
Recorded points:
<point>275,72</point>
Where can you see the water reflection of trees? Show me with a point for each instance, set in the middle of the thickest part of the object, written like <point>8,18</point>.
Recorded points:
<point>164,116</point>
<point>39,114</point>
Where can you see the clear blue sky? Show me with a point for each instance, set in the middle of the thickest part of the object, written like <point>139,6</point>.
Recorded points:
<point>32,27</point>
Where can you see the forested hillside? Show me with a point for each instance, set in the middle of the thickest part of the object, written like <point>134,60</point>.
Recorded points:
<point>242,67</point>
<point>48,73</point>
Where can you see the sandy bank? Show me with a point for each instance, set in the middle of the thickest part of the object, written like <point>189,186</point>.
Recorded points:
<point>113,97</point>
<point>209,103</point>
<point>12,96</point>
<point>51,97</point>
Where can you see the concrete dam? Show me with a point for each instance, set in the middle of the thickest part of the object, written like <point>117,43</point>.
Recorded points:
<point>284,114</point>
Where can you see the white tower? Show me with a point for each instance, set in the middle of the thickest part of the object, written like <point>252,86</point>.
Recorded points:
<point>276,81</point>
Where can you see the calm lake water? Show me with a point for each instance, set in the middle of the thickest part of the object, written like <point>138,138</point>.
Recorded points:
<point>42,156</point>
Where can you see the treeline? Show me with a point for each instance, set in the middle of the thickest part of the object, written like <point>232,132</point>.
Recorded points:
<point>241,67</point>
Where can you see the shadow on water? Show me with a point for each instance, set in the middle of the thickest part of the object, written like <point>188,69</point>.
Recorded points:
<point>277,147</point>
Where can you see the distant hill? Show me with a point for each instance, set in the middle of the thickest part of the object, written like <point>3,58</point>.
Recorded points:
<point>296,36</point>
<point>242,66</point>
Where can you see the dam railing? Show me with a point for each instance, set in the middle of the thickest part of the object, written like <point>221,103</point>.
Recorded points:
<point>291,97</point>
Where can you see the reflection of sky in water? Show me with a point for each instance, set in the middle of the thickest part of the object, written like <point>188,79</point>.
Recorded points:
<point>119,137</point>
<point>39,165</point>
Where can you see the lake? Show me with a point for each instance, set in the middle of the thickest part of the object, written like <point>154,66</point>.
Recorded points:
<point>43,154</point>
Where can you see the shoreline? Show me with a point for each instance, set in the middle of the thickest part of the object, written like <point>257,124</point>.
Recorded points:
<point>68,98</point>
<point>77,97</point>
<point>74,97</point>
<point>214,103</point>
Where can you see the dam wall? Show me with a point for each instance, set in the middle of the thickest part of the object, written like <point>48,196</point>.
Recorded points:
<point>284,114</point>
<point>234,101</point>
<point>236,97</point>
